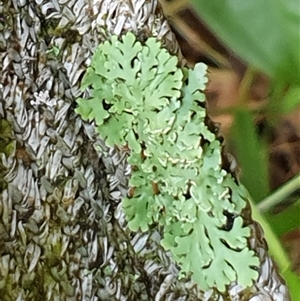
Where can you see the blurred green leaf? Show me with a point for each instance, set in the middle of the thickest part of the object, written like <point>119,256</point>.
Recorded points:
<point>285,221</point>
<point>251,155</point>
<point>284,98</point>
<point>280,195</point>
<point>263,32</point>
<point>293,282</point>
<point>292,98</point>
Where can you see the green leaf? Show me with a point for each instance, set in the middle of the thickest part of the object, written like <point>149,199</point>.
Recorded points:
<point>291,100</point>
<point>286,220</point>
<point>251,156</point>
<point>293,283</point>
<point>263,32</point>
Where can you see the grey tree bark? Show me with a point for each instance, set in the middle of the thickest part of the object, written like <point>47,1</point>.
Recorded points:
<point>63,235</point>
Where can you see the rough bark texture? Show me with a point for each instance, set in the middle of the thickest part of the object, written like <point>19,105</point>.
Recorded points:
<point>63,235</point>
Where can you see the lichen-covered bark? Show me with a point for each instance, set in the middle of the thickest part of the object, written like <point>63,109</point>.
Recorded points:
<point>62,231</point>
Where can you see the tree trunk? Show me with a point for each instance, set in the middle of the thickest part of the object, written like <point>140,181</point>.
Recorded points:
<point>63,235</point>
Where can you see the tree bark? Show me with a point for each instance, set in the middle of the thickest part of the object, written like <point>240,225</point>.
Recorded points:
<point>63,234</point>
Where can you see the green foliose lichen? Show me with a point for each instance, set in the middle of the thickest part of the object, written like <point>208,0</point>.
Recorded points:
<point>142,99</point>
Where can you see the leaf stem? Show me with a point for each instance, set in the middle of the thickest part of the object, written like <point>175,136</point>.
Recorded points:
<point>280,194</point>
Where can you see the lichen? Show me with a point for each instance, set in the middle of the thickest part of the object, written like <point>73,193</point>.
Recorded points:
<point>142,100</point>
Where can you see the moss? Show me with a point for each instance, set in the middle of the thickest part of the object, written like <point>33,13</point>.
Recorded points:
<point>7,148</point>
